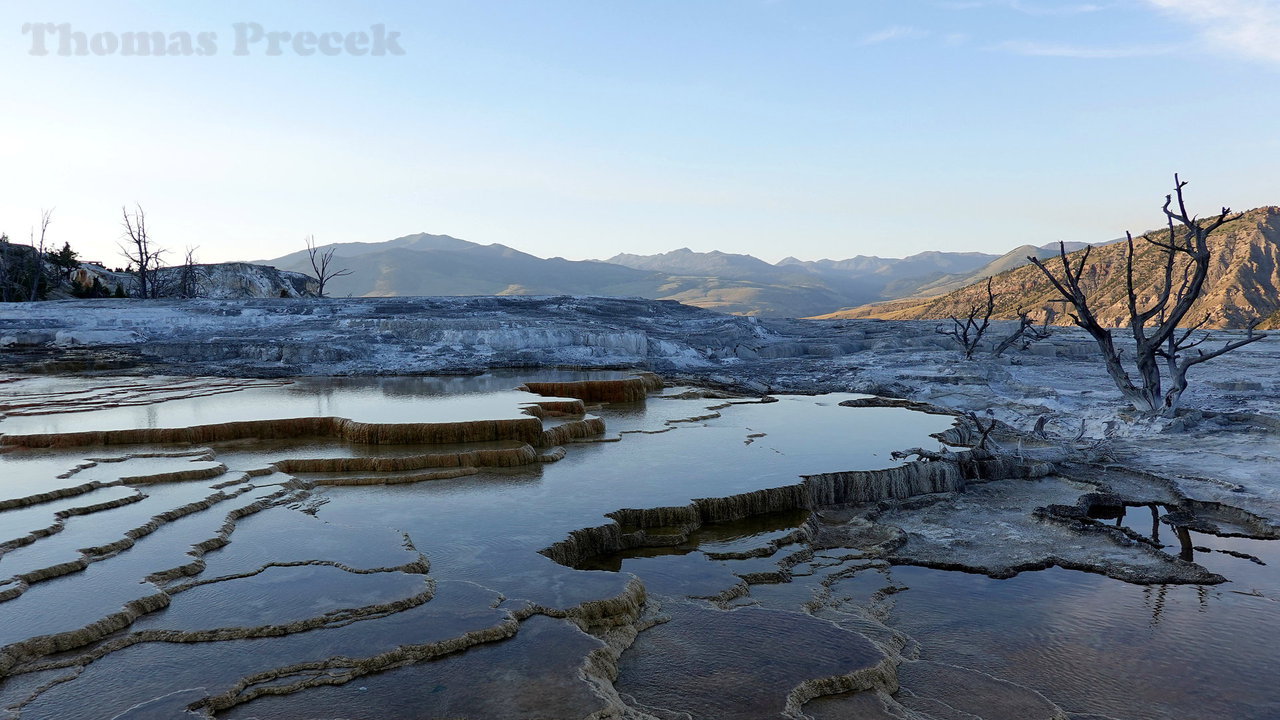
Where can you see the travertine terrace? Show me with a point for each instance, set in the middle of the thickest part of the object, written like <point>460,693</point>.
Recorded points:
<point>305,547</point>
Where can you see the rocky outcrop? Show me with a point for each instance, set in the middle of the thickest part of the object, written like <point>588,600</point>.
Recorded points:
<point>218,280</point>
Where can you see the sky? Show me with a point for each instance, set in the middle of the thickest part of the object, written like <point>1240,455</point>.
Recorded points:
<point>806,128</point>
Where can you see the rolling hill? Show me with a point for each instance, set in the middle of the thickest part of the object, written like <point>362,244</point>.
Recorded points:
<point>425,264</point>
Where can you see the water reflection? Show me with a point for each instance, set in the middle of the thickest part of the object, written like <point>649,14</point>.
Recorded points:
<point>490,396</point>
<point>1097,645</point>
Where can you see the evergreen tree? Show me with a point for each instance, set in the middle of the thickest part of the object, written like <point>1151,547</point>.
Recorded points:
<point>66,260</point>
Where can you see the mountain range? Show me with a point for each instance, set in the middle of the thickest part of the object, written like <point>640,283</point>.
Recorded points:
<point>424,264</point>
<point>1244,283</point>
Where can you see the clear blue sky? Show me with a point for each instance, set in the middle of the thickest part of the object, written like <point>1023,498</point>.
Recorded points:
<point>582,129</point>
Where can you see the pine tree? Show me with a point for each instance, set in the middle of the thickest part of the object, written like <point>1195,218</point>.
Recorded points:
<point>66,260</point>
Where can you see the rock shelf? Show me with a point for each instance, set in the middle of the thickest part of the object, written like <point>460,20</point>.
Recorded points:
<point>627,390</point>
<point>523,429</point>
<point>631,527</point>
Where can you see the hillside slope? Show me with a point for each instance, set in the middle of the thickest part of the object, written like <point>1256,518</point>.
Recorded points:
<point>1243,283</point>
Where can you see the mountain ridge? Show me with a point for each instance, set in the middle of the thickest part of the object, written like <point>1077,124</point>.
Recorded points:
<point>733,283</point>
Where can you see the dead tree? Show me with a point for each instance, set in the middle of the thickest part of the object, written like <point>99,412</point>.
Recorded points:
<point>145,257</point>
<point>38,274</point>
<point>1025,334</point>
<point>1158,333</point>
<point>984,433</point>
<point>320,262</point>
<point>969,332</point>
<point>1073,442</point>
<point>4,267</point>
<point>189,276</point>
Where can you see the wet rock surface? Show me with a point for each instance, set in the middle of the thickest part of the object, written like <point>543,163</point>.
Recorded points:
<point>536,675</point>
<point>994,529</point>
<point>746,663</point>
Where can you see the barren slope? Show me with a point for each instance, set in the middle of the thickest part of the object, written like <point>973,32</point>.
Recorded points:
<point>1243,283</point>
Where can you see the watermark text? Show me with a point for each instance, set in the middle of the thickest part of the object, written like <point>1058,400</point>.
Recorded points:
<point>247,38</point>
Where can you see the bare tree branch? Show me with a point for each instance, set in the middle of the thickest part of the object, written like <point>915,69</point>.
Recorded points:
<point>984,433</point>
<point>145,257</point>
<point>320,262</point>
<point>969,333</point>
<point>189,276</point>
<point>1187,239</point>
<point>1026,333</point>
<point>37,255</point>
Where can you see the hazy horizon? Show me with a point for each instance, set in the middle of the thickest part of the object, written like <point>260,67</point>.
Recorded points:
<point>772,128</point>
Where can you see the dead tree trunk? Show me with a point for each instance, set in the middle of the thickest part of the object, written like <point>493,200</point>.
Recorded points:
<point>1025,334</point>
<point>189,276</point>
<point>37,255</point>
<point>4,275</point>
<point>4,268</point>
<point>1156,331</point>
